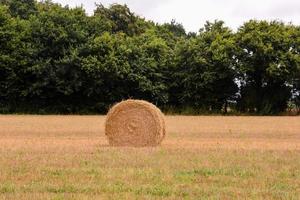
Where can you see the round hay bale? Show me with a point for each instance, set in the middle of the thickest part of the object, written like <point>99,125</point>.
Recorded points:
<point>135,123</point>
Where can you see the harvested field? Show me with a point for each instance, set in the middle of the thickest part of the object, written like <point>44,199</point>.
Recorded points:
<point>68,157</point>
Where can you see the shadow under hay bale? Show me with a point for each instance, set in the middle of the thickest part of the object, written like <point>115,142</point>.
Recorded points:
<point>135,123</point>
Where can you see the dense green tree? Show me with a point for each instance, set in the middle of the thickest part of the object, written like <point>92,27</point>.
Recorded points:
<point>267,61</point>
<point>14,52</point>
<point>204,74</point>
<point>121,19</point>
<point>57,34</point>
<point>295,39</point>
<point>150,58</point>
<point>119,67</point>
<point>57,59</point>
<point>176,28</point>
<point>105,69</point>
<point>7,37</point>
<point>21,8</point>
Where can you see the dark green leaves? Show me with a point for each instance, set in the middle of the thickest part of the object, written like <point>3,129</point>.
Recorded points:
<point>59,59</point>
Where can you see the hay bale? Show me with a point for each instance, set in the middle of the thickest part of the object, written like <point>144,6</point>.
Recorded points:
<point>135,123</point>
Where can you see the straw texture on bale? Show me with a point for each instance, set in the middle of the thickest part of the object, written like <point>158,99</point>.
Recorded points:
<point>135,123</point>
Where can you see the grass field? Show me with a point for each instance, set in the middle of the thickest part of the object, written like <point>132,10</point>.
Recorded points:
<point>67,157</point>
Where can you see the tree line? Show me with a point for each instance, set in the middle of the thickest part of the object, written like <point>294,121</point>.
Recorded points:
<point>56,59</point>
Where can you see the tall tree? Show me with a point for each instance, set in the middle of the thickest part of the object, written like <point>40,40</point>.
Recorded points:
<point>295,39</point>
<point>119,67</point>
<point>57,34</point>
<point>21,8</point>
<point>176,28</point>
<point>149,58</point>
<point>14,57</point>
<point>204,73</point>
<point>267,61</point>
<point>121,19</point>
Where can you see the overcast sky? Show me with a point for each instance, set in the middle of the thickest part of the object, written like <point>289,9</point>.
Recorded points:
<point>194,13</point>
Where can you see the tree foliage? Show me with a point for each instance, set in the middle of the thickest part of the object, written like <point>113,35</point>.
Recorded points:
<point>204,73</point>
<point>20,8</point>
<point>56,59</point>
<point>268,60</point>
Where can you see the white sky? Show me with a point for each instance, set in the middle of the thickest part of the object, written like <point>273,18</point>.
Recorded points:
<point>194,13</point>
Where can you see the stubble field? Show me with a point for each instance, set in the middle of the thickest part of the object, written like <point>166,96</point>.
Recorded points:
<point>68,157</point>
